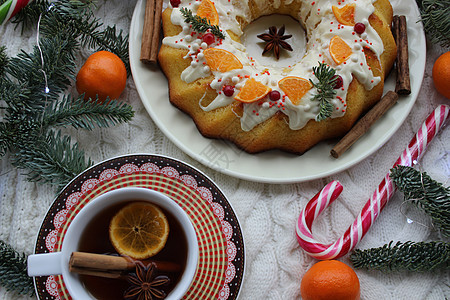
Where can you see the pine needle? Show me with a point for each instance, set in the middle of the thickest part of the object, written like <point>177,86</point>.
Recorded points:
<point>81,114</point>
<point>13,271</point>
<point>325,90</point>
<point>435,16</point>
<point>200,24</point>
<point>52,159</point>
<point>410,256</point>
<point>427,194</point>
<point>3,60</point>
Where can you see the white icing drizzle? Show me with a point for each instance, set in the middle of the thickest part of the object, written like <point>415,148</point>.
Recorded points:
<point>321,26</point>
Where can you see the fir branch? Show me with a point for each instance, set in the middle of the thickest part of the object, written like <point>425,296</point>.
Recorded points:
<point>70,17</point>
<point>3,61</point>
<point>32,113</point>
<point>29,15</point>
<point>82,114</point>
<point>418,257</point>
<point>18,128</point>
<point>78,21</point>
<point>59,67</point>
<point>13,271</point>
<point>200,24</point>
<point>325,90</point>
<point>427,194</point>
<point>436,21</point>
<point>52,159</point>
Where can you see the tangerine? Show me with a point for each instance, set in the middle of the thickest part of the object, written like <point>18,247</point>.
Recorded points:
<point>441,74</point>
<point>221,60</point>
<point>340,51</point>
<point>207,10</point>
<point>139,230</point>
<point>330,279</point>
<point>295,88</point>
<point>252,91</point>
<point>103,74</point>
<point>346,14</point>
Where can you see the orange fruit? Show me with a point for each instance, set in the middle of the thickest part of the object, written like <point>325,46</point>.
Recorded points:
<point>139,230</point>
<point>252,91</point>
<point>330,279</point>
<point>441,74</point>
<point>346,14</point>
<point>295,88</point>
<point>221,60</point>
<point>102,74</point>
<point>207,10</point>
<point>339,50</point>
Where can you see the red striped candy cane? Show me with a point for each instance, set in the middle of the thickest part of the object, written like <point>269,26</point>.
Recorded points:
<point>374,205</point>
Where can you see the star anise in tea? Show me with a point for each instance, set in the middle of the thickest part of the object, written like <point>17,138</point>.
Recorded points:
<point>275,39</point>
<point>145,285</point>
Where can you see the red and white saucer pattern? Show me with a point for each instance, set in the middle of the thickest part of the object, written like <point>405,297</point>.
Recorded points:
<point>220,286</point>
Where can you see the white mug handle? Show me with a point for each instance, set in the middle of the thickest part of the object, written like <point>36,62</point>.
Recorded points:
<point>45,264</point>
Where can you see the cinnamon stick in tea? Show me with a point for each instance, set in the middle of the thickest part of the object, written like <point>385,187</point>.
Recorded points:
<point>110,266</point>
<point>403,84</point>
<point>151,31</point>
<point>364,123</point>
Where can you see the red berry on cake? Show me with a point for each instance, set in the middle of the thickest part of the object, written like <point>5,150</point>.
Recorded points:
<point>359,28</point>
<point>274,95</point>
<point>339,81</point>
<point>208,38</point>
<point>175,3</point>
<point>228,90</point>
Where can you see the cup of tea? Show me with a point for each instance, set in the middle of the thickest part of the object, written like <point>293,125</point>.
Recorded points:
<point>172,267</point>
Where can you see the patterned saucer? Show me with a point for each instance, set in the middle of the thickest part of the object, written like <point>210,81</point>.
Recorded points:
<point>221,245</point>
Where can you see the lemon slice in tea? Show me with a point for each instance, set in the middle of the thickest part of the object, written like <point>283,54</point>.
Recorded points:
<point>139,230</point>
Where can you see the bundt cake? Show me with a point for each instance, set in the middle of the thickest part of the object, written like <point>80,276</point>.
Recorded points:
<point>231,96</point>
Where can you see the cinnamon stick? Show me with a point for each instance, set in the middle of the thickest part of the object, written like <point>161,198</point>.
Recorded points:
<point>400,31</point>
<point>110,266</point>
<point>151,31</point>
<point>363,125</point>
<point>156,31</point>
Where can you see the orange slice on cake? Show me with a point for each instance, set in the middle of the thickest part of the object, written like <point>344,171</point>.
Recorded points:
<point>340,51</point>
<point>207,10</point>
<point>295,88</point>
<point>346,14</point>
<point>221,60</point>
<point>252,91</point>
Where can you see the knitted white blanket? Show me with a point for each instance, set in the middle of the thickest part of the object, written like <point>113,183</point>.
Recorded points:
<point>275,263</point>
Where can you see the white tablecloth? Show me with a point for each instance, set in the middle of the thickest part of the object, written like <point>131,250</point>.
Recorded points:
<point>275,263</point>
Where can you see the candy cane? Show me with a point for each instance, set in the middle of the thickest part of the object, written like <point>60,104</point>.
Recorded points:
<point>10,8</point>
<point>374,205</point>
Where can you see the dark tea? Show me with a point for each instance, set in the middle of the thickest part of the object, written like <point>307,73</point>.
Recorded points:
<point>95,239</point>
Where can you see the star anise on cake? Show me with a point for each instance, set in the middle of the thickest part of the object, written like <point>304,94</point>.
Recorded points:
<point>274,39</point>
<point>145,285</point>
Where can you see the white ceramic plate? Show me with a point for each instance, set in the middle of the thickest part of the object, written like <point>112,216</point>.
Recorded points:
<point>273,166</point>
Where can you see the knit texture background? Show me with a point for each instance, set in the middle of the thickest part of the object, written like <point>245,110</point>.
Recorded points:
<point>268,213</point>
